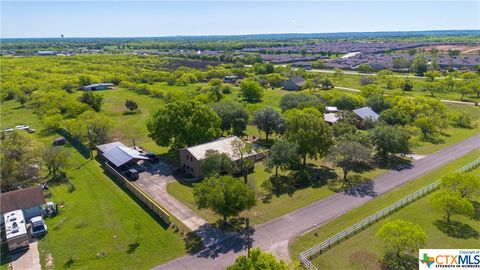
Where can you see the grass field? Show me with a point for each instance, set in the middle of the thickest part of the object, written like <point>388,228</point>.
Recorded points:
<point>98,217</point>
<point>329,229</point>
<point>364,250</point>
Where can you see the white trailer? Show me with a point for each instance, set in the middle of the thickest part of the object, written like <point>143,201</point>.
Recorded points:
<point>16,230</point>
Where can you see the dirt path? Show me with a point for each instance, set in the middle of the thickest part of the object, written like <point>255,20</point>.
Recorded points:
<point>29,259</point>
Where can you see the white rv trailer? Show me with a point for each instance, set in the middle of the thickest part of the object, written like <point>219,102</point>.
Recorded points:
<point>16,230</point>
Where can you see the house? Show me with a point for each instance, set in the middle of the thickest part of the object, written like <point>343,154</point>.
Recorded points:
<point>29,200</point>
<point>118,154</point>
<point>331,118</point>
<point>294,84</point>
<point>46,53</point>
<point>98,86</point>
<point>230,79</point>
<point>191,157</point>
<point>365,113</point>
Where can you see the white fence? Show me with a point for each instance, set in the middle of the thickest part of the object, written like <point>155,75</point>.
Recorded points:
<point>308,254</point>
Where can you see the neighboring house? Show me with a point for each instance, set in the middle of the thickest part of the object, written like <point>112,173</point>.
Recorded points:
<point>191,157</point>
<point>29,200</point>
<point>294,84</point>
<point>230,79</point>
<point>98,86</point>
<point>366,112</point>
<point>331,118</point>
<point>117,154</point>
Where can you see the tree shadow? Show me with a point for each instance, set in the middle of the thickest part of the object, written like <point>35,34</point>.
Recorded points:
<point>456,229</point>
<point>360,187</point>
<point>132,247</point>
<point>433,140</point>
<point>79,146</point>
<point>395,163</point>
<point>320,175</point>
<point>476,210</point>
<point>391,261</point>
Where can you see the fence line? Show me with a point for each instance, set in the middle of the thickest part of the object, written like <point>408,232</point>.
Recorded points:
<point>307,255</point>
<point>153,205</point>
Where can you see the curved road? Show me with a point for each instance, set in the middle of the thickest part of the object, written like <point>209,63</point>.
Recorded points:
<point>274,235</point>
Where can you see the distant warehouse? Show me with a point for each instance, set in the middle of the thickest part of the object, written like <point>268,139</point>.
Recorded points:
<point>98,86</point>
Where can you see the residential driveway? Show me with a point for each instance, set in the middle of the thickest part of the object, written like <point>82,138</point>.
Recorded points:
<point>28,259</point>
<point>154,180</point>
<point>275,235</point>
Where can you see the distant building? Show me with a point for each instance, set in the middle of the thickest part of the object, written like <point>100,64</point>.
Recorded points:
<point>365,113</point>
<point>191,157</point>
<point>118,154</point>
<point>331,109</point>
<point>331,118</point>
<point>98,86</point>
<point>230,79</point>
<point>294,84</point>
<point>29,200</point>
<point>46,53</point>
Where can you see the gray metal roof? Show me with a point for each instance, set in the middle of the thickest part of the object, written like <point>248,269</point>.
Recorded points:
<point>366,112</point>
<point>331,117</point>
<point>99,84</point>
<point>119,154</point>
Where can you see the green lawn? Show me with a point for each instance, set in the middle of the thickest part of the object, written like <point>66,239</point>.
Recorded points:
<point>364,250</point>
<point>331,228</point>
<point>97,217</point>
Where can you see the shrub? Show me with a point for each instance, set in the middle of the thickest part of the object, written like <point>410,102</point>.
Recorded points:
<point>366,80</point>
<point>463,120</point>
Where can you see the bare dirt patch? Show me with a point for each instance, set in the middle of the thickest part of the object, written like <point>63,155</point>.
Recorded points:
<point>464,48</point>
<point>364,260</point>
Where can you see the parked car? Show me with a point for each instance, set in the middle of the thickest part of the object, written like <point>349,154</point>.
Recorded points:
<point>9,130</point>
<point>23,127</point>
<point>37,226</point>
<point>152,157</point>
<point>30,130</point>
<point>132,174</point>
<point>60,141</point>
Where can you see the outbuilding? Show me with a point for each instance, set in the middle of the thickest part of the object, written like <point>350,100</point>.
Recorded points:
<point>365,113</point>
<point>118,154</point>
<point>98,86</point>
<point>294,84</point>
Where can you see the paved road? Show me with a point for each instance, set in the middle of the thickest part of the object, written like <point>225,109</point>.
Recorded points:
<point>274,235</point>
<point>28,259</point>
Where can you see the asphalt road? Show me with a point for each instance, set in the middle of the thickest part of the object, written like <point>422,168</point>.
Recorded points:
<point>274,235</point>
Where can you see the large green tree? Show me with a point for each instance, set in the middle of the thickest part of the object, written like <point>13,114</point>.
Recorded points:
<point>233,116</point>
<point>184,123</point>
<point>259,260</point>
<point>269,121</point>
<point>251,90</point>
<point>465,184</point>
<point>215,163</point>
<point>94,100</point>
<point>310,133</point>
<point>390,140</point>
<point>450,203</point>
<point>283,155</point>
<point>224,195</point>
<point>90,127</point>
<point>351,156</point>
<point>402,237</point>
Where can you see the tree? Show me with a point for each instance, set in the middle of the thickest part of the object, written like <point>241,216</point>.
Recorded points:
<point>243,152</point>
<point>463,89</point>
<point>390,140</point>
<point>348,102</point>
<point>224,195</point>
<point>251,90</point>
<point>407,85</point>
<point>215,89</point>
<point>467,185</point>
<point>326,83</point>
<point>311,134</point>
<point>427,125</point>
<point>300,101</point>
<point>451,203</point>
<point>433,87</point>
<point>215,163</point>
<point>52,120</point>
<point>84,80</point>
<point>275,80</point>
<point>351,156</point>
<point>395,117</point>
<point>365,68</point>
<point>94,100</point>
<point>269,121</point>
<point>453,53</point>
<point>21,160</point>
<point>259,260</point>
<point>310,84</point>
<point>131,105</point>
<point>431,75</point>
<point>337,73</point>
<point>184,123</point>
<point>378,103</point>
<point>90,126</point>
<point>233,116</point>
<point>402,237</point>
<point>22,99</point>
<point>56,159</point>
<point>475,87</point>
<point>318,64</point>
<point>419,65</point>
<point>283,155</point>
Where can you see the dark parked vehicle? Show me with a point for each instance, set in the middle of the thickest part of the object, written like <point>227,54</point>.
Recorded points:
<point>152,157</point>
<point>60,141</point>
<point>132,174</point>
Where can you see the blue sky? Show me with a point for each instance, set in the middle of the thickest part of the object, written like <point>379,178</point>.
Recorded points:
<point>161,18</point>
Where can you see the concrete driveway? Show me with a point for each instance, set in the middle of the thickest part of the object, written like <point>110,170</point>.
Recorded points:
<point>28,259</point>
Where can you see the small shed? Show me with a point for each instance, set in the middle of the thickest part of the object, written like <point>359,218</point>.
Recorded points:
<point>294,84</point>
<point>29,200</point>
<point>98,86</point>
<point>230,79</point>
<point>331,118</point>
<point>365,113</point>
